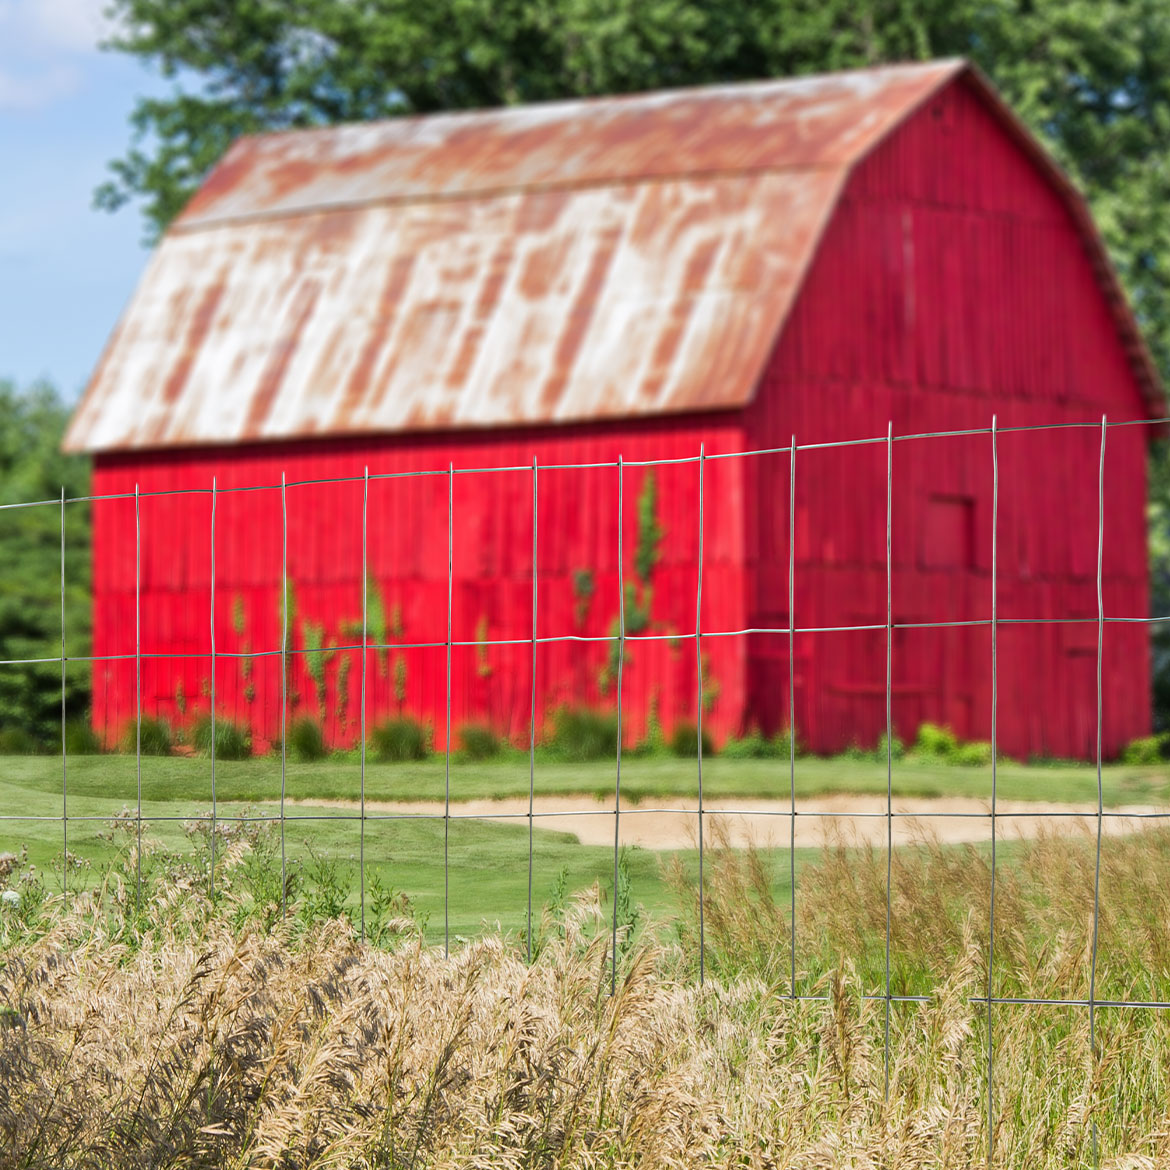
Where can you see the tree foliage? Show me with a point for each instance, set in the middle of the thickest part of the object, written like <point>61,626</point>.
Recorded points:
<point>1091,77</point>
<point>32,467</point>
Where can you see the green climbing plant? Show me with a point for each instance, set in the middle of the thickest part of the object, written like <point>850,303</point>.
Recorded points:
<point>319,653</point>
<point>638,595</point>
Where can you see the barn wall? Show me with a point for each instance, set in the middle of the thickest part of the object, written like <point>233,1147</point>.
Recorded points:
<point>952,285</point>
<point>407,556</point>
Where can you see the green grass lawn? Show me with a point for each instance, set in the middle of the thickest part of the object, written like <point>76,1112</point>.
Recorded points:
<point>187,781</point>
<point>488,861</point>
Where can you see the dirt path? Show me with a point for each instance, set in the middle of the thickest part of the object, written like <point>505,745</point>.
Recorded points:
<point>672,823</point>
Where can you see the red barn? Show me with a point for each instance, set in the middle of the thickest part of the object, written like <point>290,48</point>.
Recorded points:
<point>640,277</point>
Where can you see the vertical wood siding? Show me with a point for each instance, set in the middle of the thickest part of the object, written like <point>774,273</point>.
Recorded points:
<point>951,285</point>
<point>407,534</point>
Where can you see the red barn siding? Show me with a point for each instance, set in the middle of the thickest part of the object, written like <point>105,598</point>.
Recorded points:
<point>952,284</point>
<point>407,557</point>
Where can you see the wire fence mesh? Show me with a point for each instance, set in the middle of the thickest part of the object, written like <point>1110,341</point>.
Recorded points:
<point>621,638</point>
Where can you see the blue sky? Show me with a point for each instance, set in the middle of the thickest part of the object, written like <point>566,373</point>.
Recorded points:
<point>66,270</point>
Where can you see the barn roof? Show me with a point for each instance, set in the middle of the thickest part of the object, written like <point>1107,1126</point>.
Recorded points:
<point>581,260</point>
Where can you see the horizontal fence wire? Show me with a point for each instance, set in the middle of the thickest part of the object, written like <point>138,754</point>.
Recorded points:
<point>593,466</point>
<point>549,639</point>
<point>621,638</point>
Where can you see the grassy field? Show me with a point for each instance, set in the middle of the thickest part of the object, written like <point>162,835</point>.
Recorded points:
<point>186,782</point>
<point>196,1033</point>
<point>488,868</point>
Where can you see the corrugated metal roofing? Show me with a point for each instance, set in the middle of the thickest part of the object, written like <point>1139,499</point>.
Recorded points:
<point>807,123</point>
<point>580,260</point>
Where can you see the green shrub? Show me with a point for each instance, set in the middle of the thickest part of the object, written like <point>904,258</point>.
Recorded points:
<point>156,739</point>
<point>780,742</point>
<point>479,742</point>
<point>81,739</point>
<point>876,754</point>
<point>15,741</point>
<point>684,741</point>
<point>581,734</point>
<point>232,741</point>
<point>401,739</point>
<point>306,740</point>
<point>937,742</point>
<point>654,743</point>
<point>1152,749</point>
<point>976,754</point>
<point>756,746</point>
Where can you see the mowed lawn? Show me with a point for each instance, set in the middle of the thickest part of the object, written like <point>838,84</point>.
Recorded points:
<point>488,862</point>
<point>187,780</point>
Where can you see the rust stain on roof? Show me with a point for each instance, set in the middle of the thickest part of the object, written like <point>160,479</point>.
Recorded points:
<point>804,123</point>
<point>577,260</point>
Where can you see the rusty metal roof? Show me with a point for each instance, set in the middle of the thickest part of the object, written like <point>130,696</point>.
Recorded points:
<point>578,260</point>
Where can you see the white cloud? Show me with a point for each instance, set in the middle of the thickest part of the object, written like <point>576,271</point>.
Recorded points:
<point>37,26</point>
<point>35,91</point>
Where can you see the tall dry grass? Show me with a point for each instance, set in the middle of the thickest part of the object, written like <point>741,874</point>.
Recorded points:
<point>199,1039</point>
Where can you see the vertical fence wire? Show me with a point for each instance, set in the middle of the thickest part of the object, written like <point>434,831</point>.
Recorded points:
<point>283,689</point>
<point>365,654</point>
<point>699,718</point>
<point>792,714</point>
<point>889,730</point>
<point>447,791</point>
<point>617,794</point>
<point>531,721</point>
<point>214,809</point>
<point>138,691</point>
<point>1100,794</point>
<point>64,754</point>
<point>994,785</point>
<point>532,711</point>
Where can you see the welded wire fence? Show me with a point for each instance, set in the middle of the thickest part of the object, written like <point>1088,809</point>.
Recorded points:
<point>621,637</point>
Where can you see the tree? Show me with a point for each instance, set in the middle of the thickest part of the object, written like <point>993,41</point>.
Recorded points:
<point>1091,77</point>
<point>32,467</point>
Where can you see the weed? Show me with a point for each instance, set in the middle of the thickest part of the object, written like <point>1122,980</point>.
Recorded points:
<point>684,740</point>
<point>15,741</point>
<point>325,892</point>
<point>232,741</point>
<point>81,739</point>
<point>391,914</point>
<point>935,742</point>
<point>400,740</point>
<point>155,736</point>
<point>1153,749</point>
<point>579,734</point>
<point>306,741</point>
<point>976,753</point>
<point>178,1036</point>
<point>757,746</point>
<point>479,742</point>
